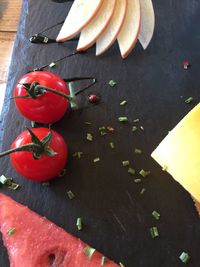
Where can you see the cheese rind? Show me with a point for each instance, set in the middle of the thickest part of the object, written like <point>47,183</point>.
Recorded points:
<point>108,37</point>
<point>96,27</point>
<point>147,23</point>
<point>179,152</point>
<point>79,16</point>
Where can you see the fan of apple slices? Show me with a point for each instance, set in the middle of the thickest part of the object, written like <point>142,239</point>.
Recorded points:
<point>105,21</point>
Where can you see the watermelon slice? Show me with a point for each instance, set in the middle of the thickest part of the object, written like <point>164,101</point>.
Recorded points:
<point>34,241</point>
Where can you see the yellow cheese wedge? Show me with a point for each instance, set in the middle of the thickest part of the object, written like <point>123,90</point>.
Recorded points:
<point>147,23</point>
<point>108,37</point>
<point>79,16</point>
<point>128,35</point>
<point>179,153</point>
<point>95,28</point>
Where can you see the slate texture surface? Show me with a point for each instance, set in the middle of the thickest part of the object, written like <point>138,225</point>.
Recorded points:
<point>116,217</point>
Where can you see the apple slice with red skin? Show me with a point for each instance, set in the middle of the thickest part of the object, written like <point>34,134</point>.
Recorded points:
<point>128,35</point>
<point>79,16</point>
<point>34,241</point>
<point>147,23</point>
<point>108,37</point>
<point>96,27</point>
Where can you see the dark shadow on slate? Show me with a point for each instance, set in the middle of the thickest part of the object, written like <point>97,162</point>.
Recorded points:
<point>117,218</point>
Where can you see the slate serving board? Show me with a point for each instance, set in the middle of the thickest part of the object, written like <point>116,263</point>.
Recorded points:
<point>116,217</point>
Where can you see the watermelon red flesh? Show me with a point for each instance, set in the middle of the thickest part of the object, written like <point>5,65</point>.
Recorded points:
<point>39,242</point>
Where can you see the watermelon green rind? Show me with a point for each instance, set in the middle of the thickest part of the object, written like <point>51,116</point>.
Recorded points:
<point>39,242</point>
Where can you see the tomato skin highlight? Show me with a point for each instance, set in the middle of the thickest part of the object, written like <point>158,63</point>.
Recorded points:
<point>46,108</point>
<point>46,167</point>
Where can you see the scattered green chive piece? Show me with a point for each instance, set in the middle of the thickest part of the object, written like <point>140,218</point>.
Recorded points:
<point>89,137</point>
<point>137,181</point>
<point>102,128</point>
<point>121,265</point>
<point>156,215</point>
<point>134,129</point>
<point>126,163</point>
<point>123,103</point>
<point>11,231</point>
<point>77,154</point>
<point>88,251</point>
<point>103,260</point>
<point>136,120</point>
<point>165,168</point>
<point>123,119</point>
<point>142,191</point>
<point>138,151</point>
<point>154,232</point>
<point>45,184</point>
<point>112,83</point>
<point>14,186</point>
<point>112,145</point>
<point>33,124</point>
<point>52,64</point>
<point>103,133</point>
<point>70,194</point>
<point>88,123</point>
<point>131,171</point>
<point>189,100</point>
<point>62,173</point>
<point>96,160</point>
<point>3,179</point>
<point>144,173</point>
<point>79,224</point>
<point>184,257</point>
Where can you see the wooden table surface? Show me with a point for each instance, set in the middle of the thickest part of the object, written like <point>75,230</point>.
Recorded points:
<point>9,16</point>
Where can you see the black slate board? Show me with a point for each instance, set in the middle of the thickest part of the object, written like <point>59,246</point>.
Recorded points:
<point>116,217</point>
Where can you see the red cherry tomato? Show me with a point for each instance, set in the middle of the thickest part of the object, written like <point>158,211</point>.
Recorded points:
<point>44,168</point>
<point>48,107</point>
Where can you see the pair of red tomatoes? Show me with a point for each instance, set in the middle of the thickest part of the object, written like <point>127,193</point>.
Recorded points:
<point>44,108</point>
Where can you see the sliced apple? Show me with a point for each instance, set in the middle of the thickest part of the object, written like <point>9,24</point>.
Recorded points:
<point>108,37</point>
<point>95,28</point>
<point>147,23</point>
<point>128,35</point>
<point>79,16</point>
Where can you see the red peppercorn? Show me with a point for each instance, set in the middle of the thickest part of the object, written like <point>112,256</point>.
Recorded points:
<point>93,98</point>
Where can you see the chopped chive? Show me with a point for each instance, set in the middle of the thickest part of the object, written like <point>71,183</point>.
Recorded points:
<point>189,100</point>
<point>110,129</point>
<point>131,171</point>
<point>136,120</point>
<point>123,119</point>
<point>88,123</point>
<point>184,257</point>
<point>3,179</point>
<point>14,186</point>
<point>46,184</point>
<point>154,232</point>
<point>137,181</point>
<point>89,137</point>
<point>102,133</point>
<point>62,173</point>
<point>96,160</point>
<point>165,168</point>
<point>156,215</point>
<point>11,231</point>
<point>79,224</point>
<point>123,103</point>
<point>121,265</point>
<point>70,194</point>
<point>134,129</point>
<point>144,173</point>
<point>77,154</point>
<point>112,145</point>
<point>102,128</point>
<point>126,163</point>
<point>88,251</point>
<point>142,191</point>
<point>138,151</point>
<point>103,260</point>
<point>33,124</point>
<point>52,64</point>
<point>112,83</point>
